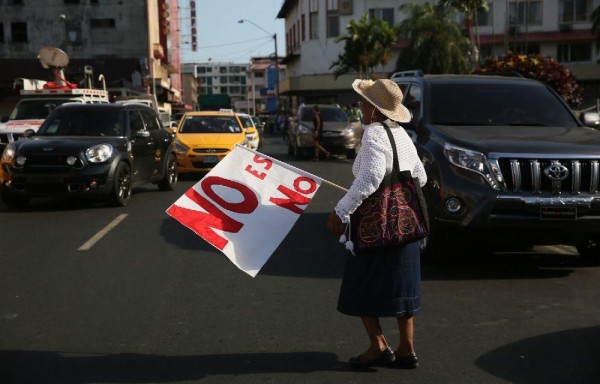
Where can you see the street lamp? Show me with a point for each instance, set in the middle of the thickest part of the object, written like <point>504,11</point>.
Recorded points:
<point>274,36</point>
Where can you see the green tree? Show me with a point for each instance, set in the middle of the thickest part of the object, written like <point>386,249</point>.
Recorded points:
<point>469,9</point>
<point>540,67</point>
<point>436,43</point>
<point>368,43</point>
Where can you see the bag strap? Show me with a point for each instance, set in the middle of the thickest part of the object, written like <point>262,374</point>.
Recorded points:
<point>396,164</point>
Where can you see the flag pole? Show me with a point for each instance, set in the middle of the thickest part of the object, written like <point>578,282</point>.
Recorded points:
<point>335,185</point>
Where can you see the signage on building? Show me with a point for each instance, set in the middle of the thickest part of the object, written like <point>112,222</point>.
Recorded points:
<point>193,24</point>
<point>345,7</point>
<point>267,92</point>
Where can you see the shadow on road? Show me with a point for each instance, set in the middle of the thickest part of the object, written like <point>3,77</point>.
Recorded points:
<point>62,367</point>
<point>311,251</point>
<point>563,357</point>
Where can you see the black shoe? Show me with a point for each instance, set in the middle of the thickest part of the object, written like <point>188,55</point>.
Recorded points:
<point>385,357</point>
<point>410,361</point>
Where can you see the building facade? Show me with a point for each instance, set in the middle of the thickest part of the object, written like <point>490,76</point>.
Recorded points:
<point>133,43</point>
<point>557,28</point>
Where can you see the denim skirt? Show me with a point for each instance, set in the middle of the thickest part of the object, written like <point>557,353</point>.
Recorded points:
<point>382,283</point>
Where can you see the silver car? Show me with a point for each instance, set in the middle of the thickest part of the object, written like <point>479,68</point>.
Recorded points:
<point>339,136</point>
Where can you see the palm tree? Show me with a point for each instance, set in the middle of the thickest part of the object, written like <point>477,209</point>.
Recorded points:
<point>436,43</point>
<point>469,8</point>
<point>368,43</point>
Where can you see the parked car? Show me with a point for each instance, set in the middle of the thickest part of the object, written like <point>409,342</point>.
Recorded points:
<point>507,161</point>
<point>250,129</point>
<point>89,150</point>
<point>339,136</point>
<point>204,138</point>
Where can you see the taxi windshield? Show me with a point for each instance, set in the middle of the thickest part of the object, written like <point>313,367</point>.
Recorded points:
<point>210,124</point>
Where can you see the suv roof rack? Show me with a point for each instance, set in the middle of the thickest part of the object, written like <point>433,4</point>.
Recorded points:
<point>501,73</point>
<point>414,72</point>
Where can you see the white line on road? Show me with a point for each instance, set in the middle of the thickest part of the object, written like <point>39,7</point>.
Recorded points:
<point>90,243</point>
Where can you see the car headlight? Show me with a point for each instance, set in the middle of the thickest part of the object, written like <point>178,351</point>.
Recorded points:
<point>9,154</point>
<point>473,161</point>
<point>303,129</point>
<point>180,147</point>
<point>99,153</point>
<point>348,131</point>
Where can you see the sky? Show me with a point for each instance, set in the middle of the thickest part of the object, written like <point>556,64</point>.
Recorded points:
<point>220,38</point>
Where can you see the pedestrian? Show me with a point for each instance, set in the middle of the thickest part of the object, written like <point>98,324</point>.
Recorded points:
<point>355,113</point>
<point>386,282</point>
<point>318,134</point>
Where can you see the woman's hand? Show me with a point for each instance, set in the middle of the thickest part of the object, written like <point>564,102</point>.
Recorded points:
<point>335,225</point>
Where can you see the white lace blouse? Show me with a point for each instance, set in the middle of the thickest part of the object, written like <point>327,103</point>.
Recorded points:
<point>374,161</point>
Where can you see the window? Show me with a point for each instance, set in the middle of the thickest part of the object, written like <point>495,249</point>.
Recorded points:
<point>102,23</point>
<point>333,19</point>
<point>1,32</point>
<point>385,14</point>
<point>525,13</point>
<point>575,52</point>
<point>136,123</point>
<point>223,79</point>
<point>18,32</point>
<point>303,27</point>
<point>526,49</point>
<point>152,123</point>
<point>313,19</point>
<point>485,18</point>
<point>570,11</point>
<point>222,69</point>
<point>201,69</point>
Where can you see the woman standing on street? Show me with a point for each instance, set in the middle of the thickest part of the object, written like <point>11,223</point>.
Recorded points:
<point>318,123</point>
<point>381,283</point>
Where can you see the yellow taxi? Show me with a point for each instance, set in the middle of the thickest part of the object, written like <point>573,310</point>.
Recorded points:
<point>204,138</point>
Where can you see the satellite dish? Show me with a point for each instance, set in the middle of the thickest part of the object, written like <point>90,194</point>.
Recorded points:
<point>53,57</point>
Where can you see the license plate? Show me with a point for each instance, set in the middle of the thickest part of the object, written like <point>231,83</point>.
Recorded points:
<point>210,159</point>
<point>558,213</point>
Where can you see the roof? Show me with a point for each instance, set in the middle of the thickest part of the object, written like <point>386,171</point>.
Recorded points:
<point>286,7</point>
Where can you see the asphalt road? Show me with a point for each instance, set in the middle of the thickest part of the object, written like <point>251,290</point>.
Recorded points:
<point>149,302</point>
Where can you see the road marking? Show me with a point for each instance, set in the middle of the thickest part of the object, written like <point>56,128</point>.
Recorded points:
<point>94,239</point>
<point>562,249</point>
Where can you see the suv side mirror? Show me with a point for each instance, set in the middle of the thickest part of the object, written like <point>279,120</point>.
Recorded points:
<point>591,119</point>
<point>28,133</point>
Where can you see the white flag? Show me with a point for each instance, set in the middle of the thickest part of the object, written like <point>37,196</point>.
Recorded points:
<point>246,205</point>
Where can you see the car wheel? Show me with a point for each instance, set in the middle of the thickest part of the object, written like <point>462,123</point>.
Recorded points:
<point>169,180</point>
<point>13,201</point>
<point>589,251</point>
<point>121,192</point>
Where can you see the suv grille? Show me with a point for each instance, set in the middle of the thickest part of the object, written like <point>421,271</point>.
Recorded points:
<point>554,176</point>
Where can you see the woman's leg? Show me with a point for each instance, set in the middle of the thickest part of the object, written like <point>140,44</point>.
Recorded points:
<point>376,338</point>
<point>407,330</point>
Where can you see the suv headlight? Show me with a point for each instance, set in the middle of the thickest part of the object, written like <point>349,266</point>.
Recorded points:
<point>99,153</point>
<point>9,154</point>
<point>473,161</point>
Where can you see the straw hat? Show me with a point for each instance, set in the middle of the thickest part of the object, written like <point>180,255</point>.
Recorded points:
<point>386,96</point>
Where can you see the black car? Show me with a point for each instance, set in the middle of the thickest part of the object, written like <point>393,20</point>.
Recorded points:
<point>90,150</point>
<point>507,162</point>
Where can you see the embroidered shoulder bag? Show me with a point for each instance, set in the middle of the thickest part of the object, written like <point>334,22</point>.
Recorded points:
<point>393,215</point>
